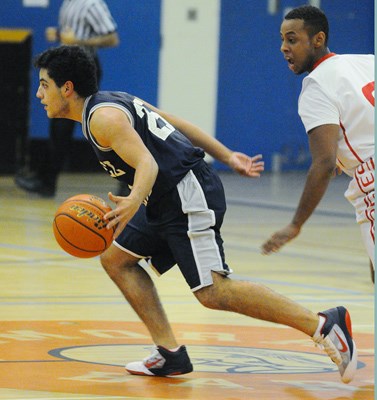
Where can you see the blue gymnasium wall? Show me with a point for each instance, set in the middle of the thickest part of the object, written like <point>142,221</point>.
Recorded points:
<point>132,66</point>
<point>257,93</point>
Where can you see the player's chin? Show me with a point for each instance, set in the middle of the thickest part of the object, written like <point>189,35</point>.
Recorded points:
<point>51,114</point>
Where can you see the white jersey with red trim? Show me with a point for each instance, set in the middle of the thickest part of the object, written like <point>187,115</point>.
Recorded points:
<point>340,90</point>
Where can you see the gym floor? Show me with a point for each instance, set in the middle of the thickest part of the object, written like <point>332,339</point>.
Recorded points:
<point>66,331</point>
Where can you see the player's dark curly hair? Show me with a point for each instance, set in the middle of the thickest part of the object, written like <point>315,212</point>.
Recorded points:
<point>315,20</point>
<point>70,63</point>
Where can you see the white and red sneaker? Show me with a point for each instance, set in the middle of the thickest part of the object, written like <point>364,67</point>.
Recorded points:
<point>334,335</point>
<point>162,362</point>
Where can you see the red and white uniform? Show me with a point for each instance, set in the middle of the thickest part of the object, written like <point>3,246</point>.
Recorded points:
<point>340,90</point>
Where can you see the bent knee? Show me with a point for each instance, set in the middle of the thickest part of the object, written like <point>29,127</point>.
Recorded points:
<point>216,295</point>
<point>208,297</point>
<point>107,258</point>
<point>114,260</point>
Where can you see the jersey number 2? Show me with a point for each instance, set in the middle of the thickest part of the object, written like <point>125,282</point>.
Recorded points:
<point>152,119</point>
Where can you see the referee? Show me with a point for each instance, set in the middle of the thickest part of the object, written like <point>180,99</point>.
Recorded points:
<point>87,23</point>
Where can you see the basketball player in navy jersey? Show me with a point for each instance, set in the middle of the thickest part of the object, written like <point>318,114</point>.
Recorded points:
<point>184,206</point>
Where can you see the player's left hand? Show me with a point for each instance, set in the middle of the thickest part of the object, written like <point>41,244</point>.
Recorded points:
<point>245,165</point>
<point>280,238</point>
<point>123,212</point>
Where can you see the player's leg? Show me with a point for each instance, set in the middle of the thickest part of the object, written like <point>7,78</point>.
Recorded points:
<point>197,246</point>
<point>120,261</point>
<point>367,234</point>
<point>365,218</point>
<point>372,272</point>
<point>200,256</point>
<point>331,329</point>
<point>360,193</point>
<point>139,290</point>
<point>367,230</point>
<point>256,301</point>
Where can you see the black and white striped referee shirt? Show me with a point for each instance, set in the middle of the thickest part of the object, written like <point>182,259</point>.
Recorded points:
<point>87,18</point>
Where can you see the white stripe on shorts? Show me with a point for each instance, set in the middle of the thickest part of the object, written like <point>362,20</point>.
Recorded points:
<point>200,219</point>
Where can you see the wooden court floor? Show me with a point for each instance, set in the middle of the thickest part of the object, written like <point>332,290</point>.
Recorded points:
<point>66,332</point>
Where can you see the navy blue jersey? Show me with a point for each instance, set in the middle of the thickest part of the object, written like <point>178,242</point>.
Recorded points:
<point>173,152</point>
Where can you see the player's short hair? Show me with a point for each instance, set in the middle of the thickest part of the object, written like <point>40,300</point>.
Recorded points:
<point>70,63</point>
<point>314,19</point>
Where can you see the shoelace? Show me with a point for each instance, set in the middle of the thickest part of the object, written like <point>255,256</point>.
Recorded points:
<point>325,343</point>
<point>155,355</point>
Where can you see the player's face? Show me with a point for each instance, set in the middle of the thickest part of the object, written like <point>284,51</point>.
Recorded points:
<point>51,96</point>
<point>297,47</point>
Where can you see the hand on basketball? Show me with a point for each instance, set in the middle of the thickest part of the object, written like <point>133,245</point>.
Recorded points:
<point>280,238</point>
<point>245,165</point>
<point>125,209</point>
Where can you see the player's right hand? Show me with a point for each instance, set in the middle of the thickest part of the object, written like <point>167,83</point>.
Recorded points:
<point>118,217</point>
<point>279,239</point>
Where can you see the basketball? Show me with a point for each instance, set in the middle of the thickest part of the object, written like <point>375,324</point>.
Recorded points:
<point>79,227</point>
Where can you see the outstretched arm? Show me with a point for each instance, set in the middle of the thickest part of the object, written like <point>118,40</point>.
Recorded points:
<point>68,37</point>
<point>110,40</point>
<point>239,162</point>
<point>323,142</point>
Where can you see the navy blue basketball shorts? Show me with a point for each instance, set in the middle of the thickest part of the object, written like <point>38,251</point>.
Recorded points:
<point>183,230</point>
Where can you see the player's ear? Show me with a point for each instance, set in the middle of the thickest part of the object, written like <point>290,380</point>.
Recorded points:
<point>68,88</point>
<point>319,39</point>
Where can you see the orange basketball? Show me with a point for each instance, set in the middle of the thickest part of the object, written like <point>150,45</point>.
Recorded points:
<point>79,227</point>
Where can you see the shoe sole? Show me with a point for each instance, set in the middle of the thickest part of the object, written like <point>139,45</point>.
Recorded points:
<point>148,372</point>
<point>350,371</point>
<point>141,373</point>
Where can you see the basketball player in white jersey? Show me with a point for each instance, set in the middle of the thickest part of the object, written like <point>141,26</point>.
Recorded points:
<point>336,106</point>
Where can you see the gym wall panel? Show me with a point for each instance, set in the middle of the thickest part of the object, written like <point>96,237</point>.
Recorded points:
<point>256,99</point>
<point>132,66</point>
<point>189,60</point>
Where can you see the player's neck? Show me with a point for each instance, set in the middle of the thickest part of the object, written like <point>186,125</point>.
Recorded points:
<point>325,55</point>
<point>76,108</point>
<point>322,54</point>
